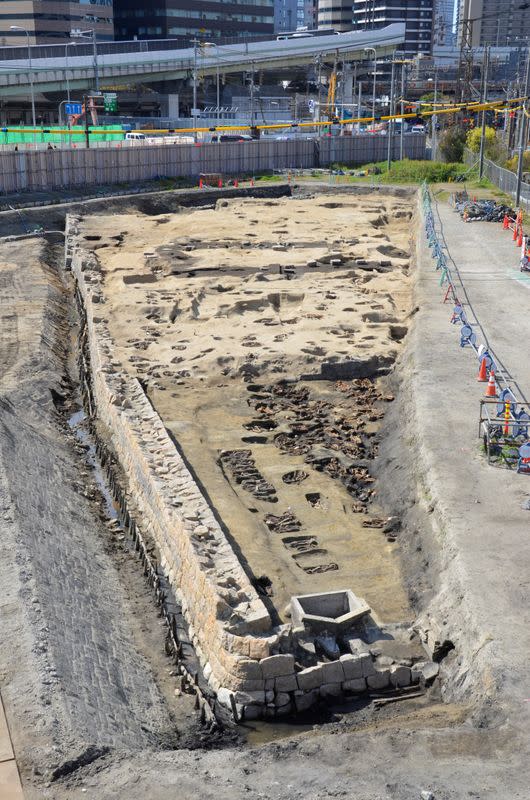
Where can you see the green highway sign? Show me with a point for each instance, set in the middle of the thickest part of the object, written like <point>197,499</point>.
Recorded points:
<point>110,102</point>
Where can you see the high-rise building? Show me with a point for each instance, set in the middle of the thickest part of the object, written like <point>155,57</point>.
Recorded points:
<point>285,15</point>
<point>336,14</point>
<point>206,19</point>
<point>494,23</point>
<point>290,15</point>
<point>443,33</point>
<point>416,14</point>
<point>50,21</point>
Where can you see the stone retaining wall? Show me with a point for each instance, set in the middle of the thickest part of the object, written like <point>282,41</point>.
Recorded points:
<point>244,658</point>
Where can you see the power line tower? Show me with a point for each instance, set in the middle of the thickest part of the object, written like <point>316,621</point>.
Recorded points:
<point>465,67</point>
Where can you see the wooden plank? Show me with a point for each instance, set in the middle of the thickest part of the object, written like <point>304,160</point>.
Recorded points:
<point>10,786</point>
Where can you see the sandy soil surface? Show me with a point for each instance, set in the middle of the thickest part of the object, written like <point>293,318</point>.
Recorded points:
<point>222,313</point>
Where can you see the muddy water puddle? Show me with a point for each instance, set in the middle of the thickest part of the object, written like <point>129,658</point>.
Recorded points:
<point>78,424</point>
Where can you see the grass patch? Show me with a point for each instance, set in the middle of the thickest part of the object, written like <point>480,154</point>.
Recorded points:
<point>408,171</point>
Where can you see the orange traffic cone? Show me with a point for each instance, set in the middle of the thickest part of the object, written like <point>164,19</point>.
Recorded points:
<point>483,372</point>
<point>220,183</point>
<point>491,389</point>
<point>236,183</point>
<point>520,238</point>
<point>201,184</point>
<point>505,223</point>
<point>514,237</point>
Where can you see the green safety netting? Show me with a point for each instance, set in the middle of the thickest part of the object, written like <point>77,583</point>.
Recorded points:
<point>24,134</point>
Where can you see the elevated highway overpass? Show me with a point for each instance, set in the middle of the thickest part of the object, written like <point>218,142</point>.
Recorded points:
<point>154,66</point>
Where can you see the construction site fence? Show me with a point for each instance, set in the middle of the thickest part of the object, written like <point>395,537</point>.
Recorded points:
<point>505,180</point>
<point>56,169</point>
<point>504,421</point>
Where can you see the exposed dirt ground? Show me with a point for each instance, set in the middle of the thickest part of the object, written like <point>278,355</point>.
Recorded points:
<point>88,691</point>
<point>222,308</point>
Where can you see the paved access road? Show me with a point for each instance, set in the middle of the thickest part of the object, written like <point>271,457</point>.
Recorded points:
<point>497,291</point>
<point>484,537</point>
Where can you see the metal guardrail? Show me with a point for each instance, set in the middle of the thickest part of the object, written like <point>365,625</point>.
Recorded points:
<point>504,421</point>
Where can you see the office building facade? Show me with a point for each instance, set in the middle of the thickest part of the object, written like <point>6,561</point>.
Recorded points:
<point>50,21</point>
<point>443,31</point>
<point>290,15</point>
<point>336,14</point>
<point>498,24</point>
<point>204,19</point>
<point>416,14</point>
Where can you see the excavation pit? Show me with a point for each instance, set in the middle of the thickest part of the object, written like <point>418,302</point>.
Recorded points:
<point>272,398</point>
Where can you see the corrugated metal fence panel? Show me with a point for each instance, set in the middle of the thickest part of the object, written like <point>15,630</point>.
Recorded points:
<point>54,169</point>
<point>365,149</point>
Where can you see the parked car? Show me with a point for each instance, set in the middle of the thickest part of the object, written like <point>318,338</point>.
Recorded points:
<point>232,137</point>
<point>418,129</point>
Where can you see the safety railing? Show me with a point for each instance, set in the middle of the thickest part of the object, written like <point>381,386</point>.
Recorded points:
<point>503,178</point>
<point>504,418</point>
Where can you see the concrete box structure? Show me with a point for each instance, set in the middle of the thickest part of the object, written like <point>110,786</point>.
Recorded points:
<point>328,611</point>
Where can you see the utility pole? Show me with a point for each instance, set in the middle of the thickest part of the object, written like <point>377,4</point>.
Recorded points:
<point>87,134</point>
<point>484,99</point>
<point>194,109</point>
<point>434,118</point>
<point>402,131</point>
<point>522,132</point>
<point>390,130</point>
<point>218,99</point>
<point>252,96</point>
<point>359,105</point>
<point>342,88</point>
<point>319,87</point>
<point>30,68</point>
<point>95,52</point>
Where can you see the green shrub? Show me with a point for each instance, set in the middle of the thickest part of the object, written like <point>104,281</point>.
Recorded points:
<point>452,143</point>
<point>473,139</point>
<point>512,162</point>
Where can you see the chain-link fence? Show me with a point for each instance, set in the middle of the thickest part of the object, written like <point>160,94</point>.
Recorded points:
<point>505,180</point>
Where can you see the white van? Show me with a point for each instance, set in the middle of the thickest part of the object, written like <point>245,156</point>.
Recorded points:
<point>135,136</point>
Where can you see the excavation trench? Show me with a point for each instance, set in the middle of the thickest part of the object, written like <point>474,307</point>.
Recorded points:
<point>265,403</point>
